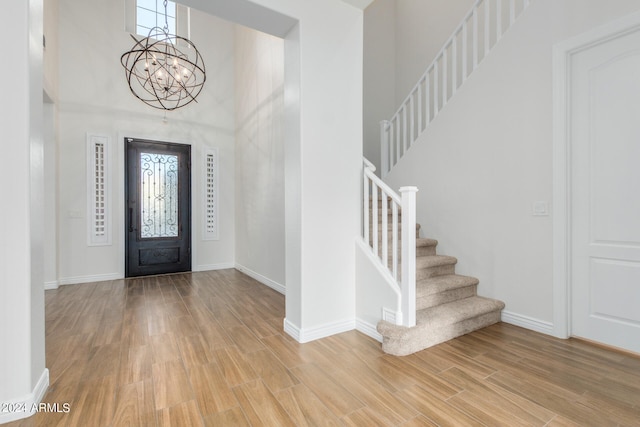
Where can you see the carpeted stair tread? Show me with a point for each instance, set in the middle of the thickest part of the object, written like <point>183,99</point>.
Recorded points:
<point>423,242</point>
<point>438,284</point>
<point>429,261</point>
<point>420,241</point>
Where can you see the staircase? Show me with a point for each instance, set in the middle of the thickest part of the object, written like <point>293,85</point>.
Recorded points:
<point>447,305</point>
<point>436,304</point>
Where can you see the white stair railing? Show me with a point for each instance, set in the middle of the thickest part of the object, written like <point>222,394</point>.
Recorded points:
<point>390,231</point>
<point>482,27</point>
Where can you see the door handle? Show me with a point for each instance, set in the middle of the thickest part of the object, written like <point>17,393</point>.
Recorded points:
<point>130,220</point>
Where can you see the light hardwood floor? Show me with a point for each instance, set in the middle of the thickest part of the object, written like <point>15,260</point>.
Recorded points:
<point>208,349</point>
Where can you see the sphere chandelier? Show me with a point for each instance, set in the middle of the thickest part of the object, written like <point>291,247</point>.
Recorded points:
<point>159,73</point>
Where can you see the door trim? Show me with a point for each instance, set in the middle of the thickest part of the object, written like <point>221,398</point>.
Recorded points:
<point>562,56</point>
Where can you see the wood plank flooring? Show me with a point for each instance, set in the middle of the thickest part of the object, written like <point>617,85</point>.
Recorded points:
<point>207,349</point>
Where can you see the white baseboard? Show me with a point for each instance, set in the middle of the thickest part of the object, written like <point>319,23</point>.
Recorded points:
<point>292,330</point>
<point>89,279</point>
<point>323,331</point>
<point>527,322</point>
<point>26,406</point>
<point>368,329</point>
<point>116,276</point>
<point>262,279</point>
<point>48,286</point>
<point>213,267</point>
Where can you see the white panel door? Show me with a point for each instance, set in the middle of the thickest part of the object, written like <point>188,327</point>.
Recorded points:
<point>605,192</point>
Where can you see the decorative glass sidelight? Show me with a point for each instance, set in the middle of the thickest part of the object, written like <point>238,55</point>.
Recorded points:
<point>158,196</point>
<point>211,195</point>
<point>98,209</point>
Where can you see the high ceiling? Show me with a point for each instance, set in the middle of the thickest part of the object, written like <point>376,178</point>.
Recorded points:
<point>252,15</point>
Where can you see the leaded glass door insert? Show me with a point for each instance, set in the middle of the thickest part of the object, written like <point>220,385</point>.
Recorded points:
<point>159,195</point>
<point>158,203</point>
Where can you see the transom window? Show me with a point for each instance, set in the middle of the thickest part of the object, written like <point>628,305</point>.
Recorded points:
<point>150,14</point>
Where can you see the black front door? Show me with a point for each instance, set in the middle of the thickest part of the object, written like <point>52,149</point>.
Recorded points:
<point>158,207</point>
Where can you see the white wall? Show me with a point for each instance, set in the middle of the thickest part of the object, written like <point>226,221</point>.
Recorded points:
<point>50,263</point>
<point>376,290</point>
<point>23,377</point>
<point>259,153</point>
<point>50,54</point>
<point>330,144</point>
<point>379,73</point>
<point>94,97</point>
<point>402,37</point>
<point>50,126</point>
<point>323,151</point>
<point>488,157</point>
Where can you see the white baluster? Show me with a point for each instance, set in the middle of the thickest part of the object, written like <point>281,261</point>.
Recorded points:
<point>408,255</point>
<point>487,27</point>
<point>498,20</point>
<point>394,240</point>
<point>385,230</point>
<point>397,140</point>
<point>445,86</point>
<point>427,97</point>
<point>475,38</point>
<point>465,51</point>
<point>412,119</point>
<point>374,220</point>
<point>385,135</point>
<point>403,114</point>
<point>366,210</point>
<point>436,85</point>
<point>420,101</point>
<point>454,64</point>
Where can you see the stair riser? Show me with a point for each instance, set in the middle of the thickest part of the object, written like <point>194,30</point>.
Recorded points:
<point>421,338</point>
<point>440,270</point>
<point>425,251</point>
<point>421,251</point>
<point>390,226</point>
<point>390,235</point>
<point>445,297</point>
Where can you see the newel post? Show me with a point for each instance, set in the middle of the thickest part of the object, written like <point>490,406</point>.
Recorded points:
<point>408,257</point>
<point>385,165</point>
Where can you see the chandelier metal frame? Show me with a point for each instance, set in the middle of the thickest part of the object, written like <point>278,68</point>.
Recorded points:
<point>159,73</point>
